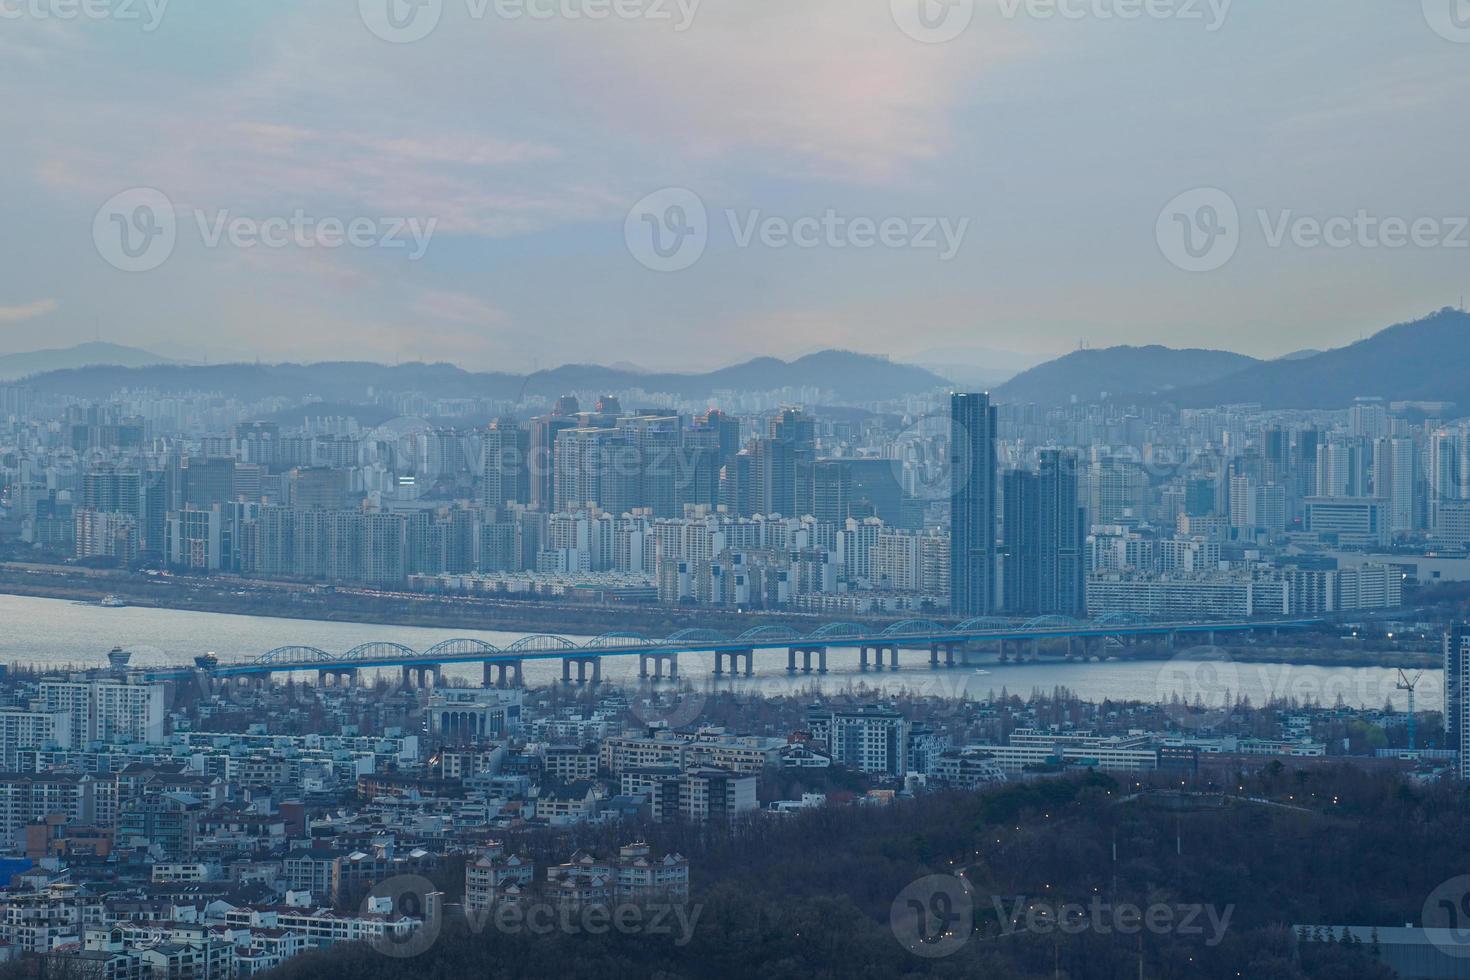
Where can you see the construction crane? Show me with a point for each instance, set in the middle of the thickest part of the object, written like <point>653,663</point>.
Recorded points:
<point>1405,684</point>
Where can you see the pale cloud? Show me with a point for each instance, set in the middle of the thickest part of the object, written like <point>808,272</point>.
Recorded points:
<point>28,311</point>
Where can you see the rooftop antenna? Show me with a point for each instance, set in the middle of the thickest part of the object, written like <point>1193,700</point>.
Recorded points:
<point>1404,684</point>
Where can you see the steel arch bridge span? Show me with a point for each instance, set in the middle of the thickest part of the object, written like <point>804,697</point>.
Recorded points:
<point>839,631</point>
<point>293,655</point>
<point>542,643</point>
<point>617,641</point>
<point>460,648</point>
<point>377,651</point>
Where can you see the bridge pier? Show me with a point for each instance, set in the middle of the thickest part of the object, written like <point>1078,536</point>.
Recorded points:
<point>878,650</point>
<point>735,657</point>
<point>254,682</point>
<point>582,663</point>
<point>502,673</point>
<point>417,676</point>
<point>658,660</point>
<point>337,677</point>
<point>806,659</point>
<point>934,649</point>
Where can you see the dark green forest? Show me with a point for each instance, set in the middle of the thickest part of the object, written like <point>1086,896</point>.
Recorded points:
<point>811,895</point>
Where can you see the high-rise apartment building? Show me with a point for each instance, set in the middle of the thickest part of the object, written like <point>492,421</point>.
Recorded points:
<point>1457,693</point>
<point>1044,533</point>
<point>107,710</point>
<point>973,426</point>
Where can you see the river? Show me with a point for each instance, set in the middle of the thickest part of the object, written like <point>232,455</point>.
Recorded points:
<point>58,632</point>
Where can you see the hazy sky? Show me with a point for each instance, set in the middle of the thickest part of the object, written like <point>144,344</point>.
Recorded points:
<point>1046,139</point>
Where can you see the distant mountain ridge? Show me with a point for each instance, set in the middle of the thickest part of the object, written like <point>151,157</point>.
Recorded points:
<point>1423,360</point>
<point>95,353</point>
<point>852,376</point>
<point>1119,372</point>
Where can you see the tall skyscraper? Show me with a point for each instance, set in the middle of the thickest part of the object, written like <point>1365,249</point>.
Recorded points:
<point>1020,531</point>
<point>773,473</point>
<point>541,466</point>
<point>1456,689</point>
<point>972,504</point>
<point>1063,532</point>
<point>1044,532</point>
<point>505,472</point>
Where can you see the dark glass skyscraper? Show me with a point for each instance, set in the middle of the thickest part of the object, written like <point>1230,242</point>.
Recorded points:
<point>1062,528</point>
<point>1044,532</point>
<point>972,504</point>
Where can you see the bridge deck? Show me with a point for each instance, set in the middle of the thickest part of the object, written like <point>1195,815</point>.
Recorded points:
<point>912,634</point>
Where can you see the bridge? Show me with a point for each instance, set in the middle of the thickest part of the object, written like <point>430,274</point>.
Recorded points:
<point>947,646</point>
